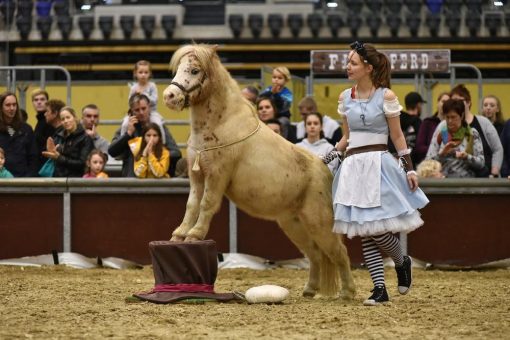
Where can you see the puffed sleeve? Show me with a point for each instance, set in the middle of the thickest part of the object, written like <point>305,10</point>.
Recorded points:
<point>341,106</point>
<point>140,167</point>
<point>392,107</point>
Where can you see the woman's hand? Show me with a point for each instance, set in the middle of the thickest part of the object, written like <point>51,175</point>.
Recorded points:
<point>50,145</point>
<point>51,154</point>
<point>412,180</point>
<point>448,148</point>
<point>461,154</point>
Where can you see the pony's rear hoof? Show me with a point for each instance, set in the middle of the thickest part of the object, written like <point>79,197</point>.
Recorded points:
<point>309,293</point>
<point>347,295</point>
<point>191,239</point>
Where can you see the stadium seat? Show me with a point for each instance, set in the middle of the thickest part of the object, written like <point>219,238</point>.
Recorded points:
<point>24,25</point>
<point>507,20</point>
<point>315,22</point>
<point>393,6</point>
<point>7,8</point>
<point>295,23</point>
<point>374,23</point>
<point>61,7</point>
<point>25,8</point>
<point>43,8</point>
<point>413,22</point>
<point>106,25</point>
<point>256,23</point>
<point>393,22</point>
<point>275,23</point>
<point>493,22</point>
<point>127,24</point>
<point>65,25</point>
<point>168,22</point>
<point>236,23</point>
<point>335,22</point>
<point>86,25</point>
<point>414,6</point>
<point>374,6</point>
<point>452,5</point>
<point>473,22</point>
<point>44,26</point>
<point>147,23</point>
<point>452,21</point>
<point>433,22</point>
<point>474,5</point>
<point>354,5</point>
<point>354,23</point>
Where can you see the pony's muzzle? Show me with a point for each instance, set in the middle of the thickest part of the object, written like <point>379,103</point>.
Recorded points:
<point>173,97</point>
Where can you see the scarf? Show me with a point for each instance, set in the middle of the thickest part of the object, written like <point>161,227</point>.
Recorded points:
<point>464,132</point>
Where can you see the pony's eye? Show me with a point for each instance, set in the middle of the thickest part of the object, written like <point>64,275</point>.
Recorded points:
<point>195,71</point>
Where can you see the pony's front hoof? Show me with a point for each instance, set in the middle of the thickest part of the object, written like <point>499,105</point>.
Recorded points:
<point>192,239</point>
<point>309,292</point>
<point>176,238</point>
<point>347,295</point>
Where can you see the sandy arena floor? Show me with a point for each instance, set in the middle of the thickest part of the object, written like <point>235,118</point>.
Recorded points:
<point>63,303</point>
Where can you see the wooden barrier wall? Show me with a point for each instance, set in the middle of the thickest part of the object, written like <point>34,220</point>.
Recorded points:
<point>465,222</point>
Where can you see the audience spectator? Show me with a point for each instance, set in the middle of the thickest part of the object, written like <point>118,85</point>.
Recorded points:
<point>72,146</point>
<point>42,129</point>
<point>52,117</point>
<point>90,121</point>
<point>492,148</point>
<point>4,173</point>
<point>95,164</point>
<point>267,110</point>
<point>330,127</point>
<point>491,109</point>
<point>430,168</point>
<point>428,126</point>
<point>152,158</point>
<point>251,93</point>
<point>181,169</point>
<point>410,123</point>
<point>142,74</point>
<point>314,140</point>
<point>282,99</point>
<point>17,139</point>
<point>275,125</point>
<point>505,140</point>
<point>455,144</point>
<point>138,117</point>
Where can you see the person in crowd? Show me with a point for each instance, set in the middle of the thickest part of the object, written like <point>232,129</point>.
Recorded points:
<point>17,139</point>
<point>491,109</point>
<point>410,122</point>
<point>373,197</point>
<point>90,121</point>
<point>275,125</point>
<point>52,116</point>
<point>428,126</point>
<point>330,127</point>
<point>505,141</point>
<point>4,173</point>
<point>430,168</point>
<point>70,147</point>
<point>457,145</point>
<point>267,110</point>
<point>42,129</point>
<point>314,140</point>
<point>181,169</point>
<point>152,158</point>
<point>251,93</point>
<point>142,73</point>
<point>282,98</point>
<point>492,148</point>
<point>138,118</point>
<point>96,162</point>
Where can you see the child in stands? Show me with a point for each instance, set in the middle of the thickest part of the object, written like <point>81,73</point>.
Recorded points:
<point>152,158</point>
<point>96,162</point>
<point>4,173</point>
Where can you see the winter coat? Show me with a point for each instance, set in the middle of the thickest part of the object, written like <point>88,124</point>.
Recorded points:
<point>21,155</point>
<point>74,150</point>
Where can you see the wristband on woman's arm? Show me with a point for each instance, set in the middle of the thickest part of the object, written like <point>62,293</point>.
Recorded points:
<point>406,162</point>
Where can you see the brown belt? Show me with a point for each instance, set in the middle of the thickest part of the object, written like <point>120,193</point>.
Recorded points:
<point>366,148</point>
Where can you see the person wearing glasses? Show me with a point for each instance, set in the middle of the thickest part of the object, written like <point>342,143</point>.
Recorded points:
<point>374,194</point>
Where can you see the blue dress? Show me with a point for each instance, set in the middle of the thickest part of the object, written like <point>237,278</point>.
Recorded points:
<point>371,195</point>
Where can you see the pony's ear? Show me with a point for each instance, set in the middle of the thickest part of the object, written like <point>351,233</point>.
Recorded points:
<point>215,47</point>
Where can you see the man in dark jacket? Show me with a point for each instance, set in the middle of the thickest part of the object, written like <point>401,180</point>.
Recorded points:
<point>42,130</point>
<point>139,117</point>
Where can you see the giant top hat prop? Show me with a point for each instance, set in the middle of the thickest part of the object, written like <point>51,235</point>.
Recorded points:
<point>182,271</point>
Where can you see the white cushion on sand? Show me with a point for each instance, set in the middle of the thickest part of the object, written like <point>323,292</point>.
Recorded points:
<point>266,294</point>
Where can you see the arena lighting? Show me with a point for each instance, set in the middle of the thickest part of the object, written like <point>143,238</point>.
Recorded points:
<point>127,24</point>
<point>493,22</point>
<point>255,22</point>
<point>498,3</point>
<point>354,22</point>
<point>24,25</point>
<point>433,22</point>
<point>86,25</point>
<point>335,22</point>
<point>393,23</point>
<point>65,25</point>
<point>168,22</point>
<point>413,23</point>
<point>148,22</point>
<point>106,25</point>
<point>44,26</point>
<point>86,7</point>
<point>332,4</point>
<point>295,23</point>
<point>275,23</point>
<point>315,22</point>
<point>374,23</point>
<point>236,23</point>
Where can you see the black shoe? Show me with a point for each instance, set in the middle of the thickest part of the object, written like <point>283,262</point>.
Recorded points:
<point>379,296</point>
<point>404,275</point>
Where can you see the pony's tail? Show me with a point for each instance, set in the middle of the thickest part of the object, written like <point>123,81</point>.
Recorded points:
<point>329,276</point>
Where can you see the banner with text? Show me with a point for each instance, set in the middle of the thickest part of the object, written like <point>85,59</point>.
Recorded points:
<point>402,61</point>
